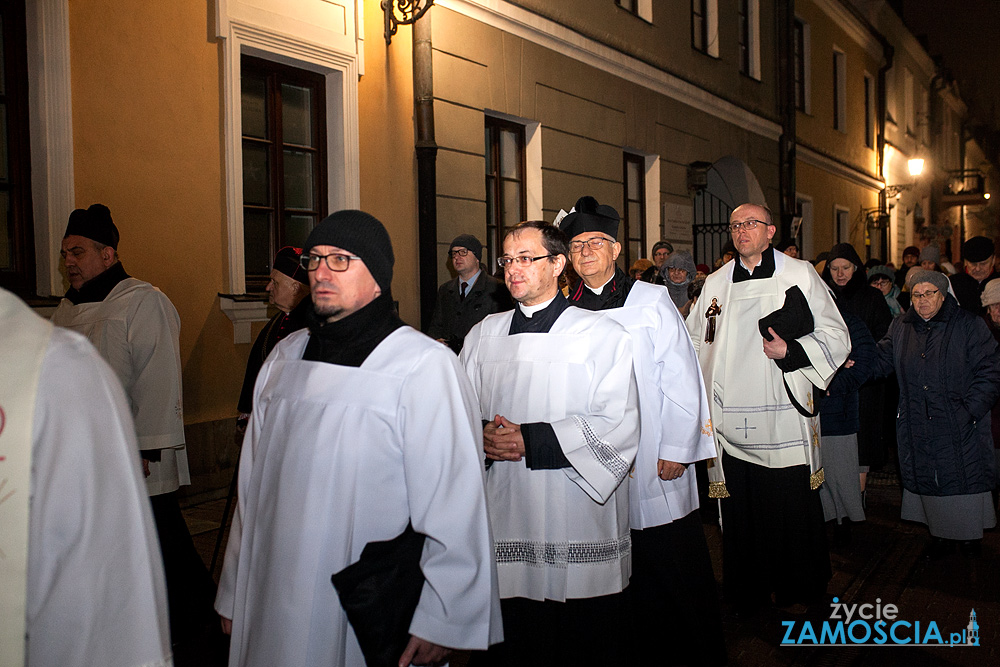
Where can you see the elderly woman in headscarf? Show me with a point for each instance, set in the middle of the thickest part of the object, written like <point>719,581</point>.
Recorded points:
<point>881,278</point>
<point>948,365</point>
<point>678,271</point>
<point>846,277</point>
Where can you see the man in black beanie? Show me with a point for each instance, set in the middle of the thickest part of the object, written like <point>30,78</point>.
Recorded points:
<point>136,329</point>
<point>361,428</point>
<point>979,257</point>
<point>464,301</point>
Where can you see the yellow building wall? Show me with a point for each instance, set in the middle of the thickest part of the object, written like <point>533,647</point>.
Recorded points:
<point>828,192</point>
<point>388,158</point>
<point>147,119</point>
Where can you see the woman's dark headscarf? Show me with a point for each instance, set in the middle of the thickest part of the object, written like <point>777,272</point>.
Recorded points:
<point>857,281</point>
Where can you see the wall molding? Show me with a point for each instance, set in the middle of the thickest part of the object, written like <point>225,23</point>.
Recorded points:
<point>837,168</point>
<point>556,37</point>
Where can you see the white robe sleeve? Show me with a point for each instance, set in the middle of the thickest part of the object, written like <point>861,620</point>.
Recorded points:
<point>600,438</point>
<point>443,465</point>
<point>96,593</point>
<point>684,410</point>
<point>155,388</point>
<point>829,345</point>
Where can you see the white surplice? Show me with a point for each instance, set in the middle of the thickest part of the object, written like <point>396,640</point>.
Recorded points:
<point>753,417</point>
<point>136,329</point>
<point>560,534</point>
<point>676,424</point>
<point>336,457</point>
<point>95,590</point>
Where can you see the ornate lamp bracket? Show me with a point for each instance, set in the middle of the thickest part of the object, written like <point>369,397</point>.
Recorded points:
<point>409,11</point>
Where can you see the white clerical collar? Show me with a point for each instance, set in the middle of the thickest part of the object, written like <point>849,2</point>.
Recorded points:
<point>600,289</point>
<point>471,281</point>
<point>754,266</point>
<point>531,310</point>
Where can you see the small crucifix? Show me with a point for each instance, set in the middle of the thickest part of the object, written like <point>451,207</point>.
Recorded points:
<point>746,428</point>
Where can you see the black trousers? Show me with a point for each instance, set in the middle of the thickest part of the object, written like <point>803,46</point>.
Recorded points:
<point>582,632</point>
<point>673,596</point>
<point>773,536</point>
<point>190,588</point>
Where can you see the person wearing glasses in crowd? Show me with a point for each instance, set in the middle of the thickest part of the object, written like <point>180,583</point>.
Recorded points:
<point>467,299</point>
<point>948,367</point>
<point>761,398</point>
<point>558,396</point>
<point>672,591</point>
<point>362,428</point>
<point>882,278</point>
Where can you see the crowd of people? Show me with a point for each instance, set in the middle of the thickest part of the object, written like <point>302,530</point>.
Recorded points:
<point>518,481</point>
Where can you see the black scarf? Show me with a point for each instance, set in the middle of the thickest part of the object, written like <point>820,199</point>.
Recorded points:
<point>612,296</point>
<point>349,341</point>
<point>541,321</point>
<point>764,270</point>
<point>97,288</point>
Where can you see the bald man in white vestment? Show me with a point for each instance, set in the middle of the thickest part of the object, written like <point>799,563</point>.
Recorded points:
<point>81,581</point>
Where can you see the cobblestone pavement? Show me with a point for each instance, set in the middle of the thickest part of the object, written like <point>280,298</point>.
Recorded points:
<point>885,562</point>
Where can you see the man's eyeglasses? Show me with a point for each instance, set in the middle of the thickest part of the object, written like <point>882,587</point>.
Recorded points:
<point>521,260</point>
<point>461,252</point>
<point>335,262</point>
<point>746,224</point>
<point>917,296</point>
<point>595,243</point>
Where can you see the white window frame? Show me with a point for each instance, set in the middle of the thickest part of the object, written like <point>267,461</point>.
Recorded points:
<point>840,112</point>
<point>841,230</point>
<point>753,28</point>
<point>532,161</point>
<point>806,64</point>
<point>909,118</point>
<point>870,111</point>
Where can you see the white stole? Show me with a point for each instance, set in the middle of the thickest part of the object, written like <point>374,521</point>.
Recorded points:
<point>25,338</point>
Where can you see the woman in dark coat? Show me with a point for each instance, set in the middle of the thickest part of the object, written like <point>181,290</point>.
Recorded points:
<point>948,365</point>
<point>838,417</point>
<point>846,277</point>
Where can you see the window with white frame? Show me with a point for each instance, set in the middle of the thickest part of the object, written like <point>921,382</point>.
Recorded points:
<point>891,106</point>
<point>705,26</point>
<point>749,37</point>
<point>909,113</point>
<point>869,111</point>
<point>801,58</point>
<point>506,189</point>
<point>632,233</point>
<point>283,115</point>
<point>641,8</point>
<point>839,91</point>
<point>842,225</point>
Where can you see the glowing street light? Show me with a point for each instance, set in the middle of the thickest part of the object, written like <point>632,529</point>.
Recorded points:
<point>916,166</point>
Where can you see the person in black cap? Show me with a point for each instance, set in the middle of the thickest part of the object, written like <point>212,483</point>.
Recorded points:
<point>287,291</point>
<point>672,591</point>
<point>661,251</point>
<point>136,329</point>
<point>465,300</point>
<point>979,257</point>
<point>911,255</point>
<point>362,428</point>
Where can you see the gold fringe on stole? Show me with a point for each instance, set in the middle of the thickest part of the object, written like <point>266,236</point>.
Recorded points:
<point>717,490</point>
<point>815,479</point>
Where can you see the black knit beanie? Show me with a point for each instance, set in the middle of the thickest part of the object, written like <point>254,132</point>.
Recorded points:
<point>359,233</point>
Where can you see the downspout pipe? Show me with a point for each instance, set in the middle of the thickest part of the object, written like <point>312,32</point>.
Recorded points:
<point>786,100</point>
<point>426,150</point>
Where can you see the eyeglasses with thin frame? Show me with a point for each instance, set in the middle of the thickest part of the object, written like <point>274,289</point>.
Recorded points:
<point>917,296</point>
<point>522,260</point>
<point>337,262</point>
<point>595,243</point>
<point>746,224</point>
<point>461,252</point>
<point>880,280</point>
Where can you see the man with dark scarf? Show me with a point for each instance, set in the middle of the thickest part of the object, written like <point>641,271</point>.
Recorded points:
<point>558,398</point>
<point>672,591</point>
<point>136,330</point>
<point>361,427</point>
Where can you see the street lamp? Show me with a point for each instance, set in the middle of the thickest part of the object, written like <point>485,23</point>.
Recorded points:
<point>916,166</point>
<point>409,11</point>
